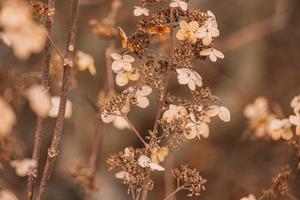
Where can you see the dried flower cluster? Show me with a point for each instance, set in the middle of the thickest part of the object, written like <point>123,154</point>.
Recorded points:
<point>266,123</point>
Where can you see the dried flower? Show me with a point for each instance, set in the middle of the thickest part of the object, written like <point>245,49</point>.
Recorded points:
<point>55,101</point>
<point>179,3</point>
<point>85,61</point>
<point>23,167</point>
<point>138,11</point>
<point>141,95</point>
<point>159,154</point>
<point>190,180</point>
<point>7,118</point>
<point>249,197</point>
<point>295,120</point>
<point>145,161</point>
<point>20,31</point>
<point>118,121</point>
<point>207,33</point>
<point>125,42</point>
<point>174,112</point>
<point>188,31</point>
<point>196,129</point>
<point>280,129</point>
<point>189,77</point>
<point>39,100</point>
<point>295,104</point>
<point>212,53</point>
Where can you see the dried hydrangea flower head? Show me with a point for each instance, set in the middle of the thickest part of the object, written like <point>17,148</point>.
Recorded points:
<point>23,34</point>
<point>189,180</point>
<point>190,35</point>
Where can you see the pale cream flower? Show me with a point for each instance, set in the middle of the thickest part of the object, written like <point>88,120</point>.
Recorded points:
<point>189,77</point>
<point>159,154</point>
<point>249,197</point>
<point>207,33</point>
<point>123,77</point>
<point>141,96</point>
<point>118,121</point>
<point>193,129</point>
<point>121,63</point>
<point>174,112</point>
<point>187,31</point>
<point>280,128</point>
<point>222,112</point>
<point>122,175</point>
<point>7,118</point>
<point>22,33</point>
<point>7,195</point>
<point>295,120</point>
<point>39,100</point>
<point>211,20</point>
<point>23,167</point>
<point>138,11</point>
<point>179,3</point>
<point>85,61</point>
<point>213,54</point>
<point>145,161</point>
<point>55,100</point>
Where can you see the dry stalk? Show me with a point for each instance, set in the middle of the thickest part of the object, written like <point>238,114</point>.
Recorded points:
<point>53,150</point>
<point>45,83</point>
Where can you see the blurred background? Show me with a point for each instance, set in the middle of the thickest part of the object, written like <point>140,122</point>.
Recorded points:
<point>261,43</point>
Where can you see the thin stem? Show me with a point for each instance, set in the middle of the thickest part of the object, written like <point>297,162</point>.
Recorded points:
<point>67,75</point>
<point>99,133</point>
<point>166,77</point>
<point>290,196</point>
<point>135,131</point>
<point>173,193</point>
<point>40,121</point>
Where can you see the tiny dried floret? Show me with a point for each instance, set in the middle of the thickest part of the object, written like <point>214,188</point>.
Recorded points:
<point>179,4</point>
<point>138,11</point>
<point>85,61</point>
<point>189,77</point>
<point>188,31</point>
<point>212,53</point>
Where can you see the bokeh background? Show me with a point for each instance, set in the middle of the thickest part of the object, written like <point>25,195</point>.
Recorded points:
<point>261,43</point>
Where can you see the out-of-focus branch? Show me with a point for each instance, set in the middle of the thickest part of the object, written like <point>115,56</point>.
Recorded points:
<point>169,180</point>
<point>258,30</point>
<point>53,151</point>
<point>45,83</point>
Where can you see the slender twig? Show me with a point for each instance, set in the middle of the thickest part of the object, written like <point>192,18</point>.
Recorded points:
<point>53,150</point>
<point>173,193</point>
<point>99,133</point>
<point>40,121</point>
<point>135,131</point>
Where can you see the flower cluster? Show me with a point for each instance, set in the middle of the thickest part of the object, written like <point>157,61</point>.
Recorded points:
<point>266,123</point>
<point>189,180</point>
<point>20,32</point>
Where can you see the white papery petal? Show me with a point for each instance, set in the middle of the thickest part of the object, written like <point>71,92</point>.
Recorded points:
<point>107,118</point>
<point>116,56</point>
<point>217,53</point>
<point>212,111</point>
<point>224,114</point>
<point>203,130</point>
<point>201,33</point>
<point>23,167</point>
<point>7,118</point>
<point>120,123</point>
<point>192,85</point>
<point>183,5</point>
<point>55,100</point>
<point>212,57</point>
<point>206,52</point>
<point>207,40</point>
<point>145,91</point>
<point>117,66</point>
<point>174,4</point>
<point>121,175</point>
<point>142,102</point>
<point>157,167</point>
<point>144,161</point>
<point>122,79</point>
<point>127,66</point>
<point>128,58</point>
<point>191,132</point>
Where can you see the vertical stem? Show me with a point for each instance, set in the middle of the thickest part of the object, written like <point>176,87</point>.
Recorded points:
<point>99,134</point>
<point>53,150</point>
<point>173,193</point>
<point>40,121</point>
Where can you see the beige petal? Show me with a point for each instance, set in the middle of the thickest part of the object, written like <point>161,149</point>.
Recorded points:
<point>142,102</point>
<point>224,114</point>
<point>116,56</point>
<point>122,79</point>
<point>128,58</point>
